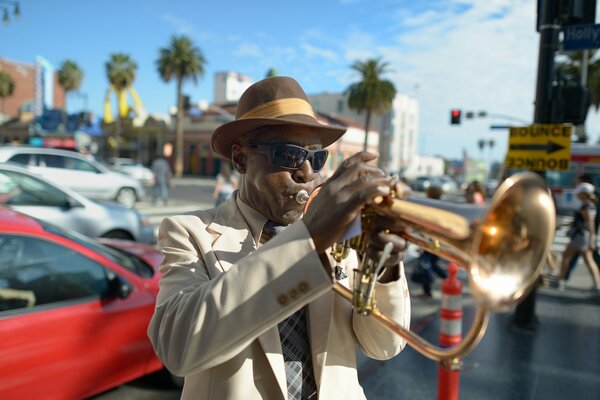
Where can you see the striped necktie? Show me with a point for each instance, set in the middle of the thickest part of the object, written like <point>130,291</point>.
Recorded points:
<point>295,345</point>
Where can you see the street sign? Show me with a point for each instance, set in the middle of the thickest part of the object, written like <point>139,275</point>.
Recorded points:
<point>539,147</point>
<point>577,37</point>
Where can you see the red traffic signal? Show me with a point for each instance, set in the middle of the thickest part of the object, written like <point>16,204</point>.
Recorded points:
<point>455,116</point>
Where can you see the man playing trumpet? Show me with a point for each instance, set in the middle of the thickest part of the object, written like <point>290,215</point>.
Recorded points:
<point>245,308</point>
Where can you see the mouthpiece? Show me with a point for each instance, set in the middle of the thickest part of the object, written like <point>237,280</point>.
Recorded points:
<point>302,196</point>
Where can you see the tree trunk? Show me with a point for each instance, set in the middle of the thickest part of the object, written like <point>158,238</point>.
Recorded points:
<point>367,122</point>
<point>64,114</point>
<point>179,131</point>
<point>118,128</point>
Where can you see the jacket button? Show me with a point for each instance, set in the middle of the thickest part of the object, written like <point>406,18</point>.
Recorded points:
<point>283,299</point>
<point>303,287</point>
<point>293,294</point>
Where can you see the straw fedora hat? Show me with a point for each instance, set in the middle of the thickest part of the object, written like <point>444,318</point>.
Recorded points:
<point>278,100</point>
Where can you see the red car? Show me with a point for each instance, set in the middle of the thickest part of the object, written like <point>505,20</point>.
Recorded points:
<point>73,312</point>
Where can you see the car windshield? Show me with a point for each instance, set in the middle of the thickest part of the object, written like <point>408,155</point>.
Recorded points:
<point>20,189</point>
<point>127,260</point>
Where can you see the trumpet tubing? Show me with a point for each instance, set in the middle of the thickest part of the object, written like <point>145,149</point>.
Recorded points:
<point>502,247</point>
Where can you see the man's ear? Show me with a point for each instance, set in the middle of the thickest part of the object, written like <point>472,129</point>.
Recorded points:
<point>238,158</point>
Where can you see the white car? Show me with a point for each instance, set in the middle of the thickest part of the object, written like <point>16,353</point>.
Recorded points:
<point>132,168</point>
<point>80,173</point>
<point>32,195</point>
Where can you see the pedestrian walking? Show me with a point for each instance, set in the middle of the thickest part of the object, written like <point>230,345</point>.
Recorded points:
<point>586,178</point>
<point>583,237</point>
<point>428,263</point>
<point>162,179</point>
<point>226,184</point>
<point>475,193</point>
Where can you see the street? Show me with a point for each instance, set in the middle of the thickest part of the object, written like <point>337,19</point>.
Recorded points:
<point>560,361</point>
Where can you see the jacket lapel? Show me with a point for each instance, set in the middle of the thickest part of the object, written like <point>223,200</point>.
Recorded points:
<point>234,241</point>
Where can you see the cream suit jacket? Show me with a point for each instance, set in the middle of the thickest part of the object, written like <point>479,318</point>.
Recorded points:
<point>221,298</point>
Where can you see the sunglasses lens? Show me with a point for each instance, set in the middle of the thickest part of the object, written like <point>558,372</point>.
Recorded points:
<point>319,159</point>
<point>289,156</point>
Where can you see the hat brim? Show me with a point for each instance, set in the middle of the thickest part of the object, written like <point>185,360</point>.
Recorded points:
<point>227,134</point>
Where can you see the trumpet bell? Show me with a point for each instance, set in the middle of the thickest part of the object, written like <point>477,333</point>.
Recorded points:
<point>511,242</point>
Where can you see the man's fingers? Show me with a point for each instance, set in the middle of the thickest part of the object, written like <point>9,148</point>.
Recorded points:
<point>380,239</point>
<point>358,158</point>
<point>364,190</point>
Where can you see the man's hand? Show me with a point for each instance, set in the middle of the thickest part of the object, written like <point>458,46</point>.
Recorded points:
<point>387,230</point>
<point>354,184</point>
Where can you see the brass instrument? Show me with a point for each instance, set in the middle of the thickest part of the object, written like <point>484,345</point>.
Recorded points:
<point>502,247</point>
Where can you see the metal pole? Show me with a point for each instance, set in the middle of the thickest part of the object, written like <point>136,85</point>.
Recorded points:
<point>549,31</point>
<point>584,67</point>
<point>524,317</point>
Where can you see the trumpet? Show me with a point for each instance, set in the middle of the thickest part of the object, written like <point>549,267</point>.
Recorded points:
<point>502,247</point>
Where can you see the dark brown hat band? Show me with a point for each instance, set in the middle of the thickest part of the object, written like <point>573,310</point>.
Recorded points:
<point>279,108</point>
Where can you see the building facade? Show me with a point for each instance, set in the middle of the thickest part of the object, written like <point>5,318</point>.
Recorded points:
<point>398,128</point>
<point>229,86</point>
<point>36,88</point>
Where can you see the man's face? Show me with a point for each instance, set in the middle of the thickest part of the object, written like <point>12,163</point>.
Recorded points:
<point>271,189</point>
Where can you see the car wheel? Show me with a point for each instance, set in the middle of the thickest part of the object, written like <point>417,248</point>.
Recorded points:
<point>117,234</point>
<point>126,197</point>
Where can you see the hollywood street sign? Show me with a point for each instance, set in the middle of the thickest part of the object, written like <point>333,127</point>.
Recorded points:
<point>578,37</point>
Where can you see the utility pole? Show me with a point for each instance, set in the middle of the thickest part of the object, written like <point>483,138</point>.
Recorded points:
<point>524,316</point>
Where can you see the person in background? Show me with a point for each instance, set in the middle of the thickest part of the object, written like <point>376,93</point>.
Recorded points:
<point>475,193</point>
<point>226,183</point>
<point>246,308</point>
<point>162,179</point>
<point>428,263</point>
<point>585,178</point>
<point>583,237</point>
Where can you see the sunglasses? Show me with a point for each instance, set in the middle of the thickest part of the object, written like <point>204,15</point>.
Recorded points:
<point>292,157</point>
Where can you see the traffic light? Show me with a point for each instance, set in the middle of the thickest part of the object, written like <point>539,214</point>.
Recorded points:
<point>186,103</point>
<point>455,116</point>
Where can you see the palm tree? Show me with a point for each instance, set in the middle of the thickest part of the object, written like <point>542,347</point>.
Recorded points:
<point>69,78</point>
<point>271,72</point>
<point>181,61</point>
<point>120,71</point>
<point>7,85</point>
<point>570,71</point>
<point>372,94</point>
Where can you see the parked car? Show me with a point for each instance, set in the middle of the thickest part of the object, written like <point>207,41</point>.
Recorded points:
<point>73,312</point>
<point>132,168</point>
<point>35,196</point>
<point>82,174</point>
<point>447,184</point>
<point>421,183</point>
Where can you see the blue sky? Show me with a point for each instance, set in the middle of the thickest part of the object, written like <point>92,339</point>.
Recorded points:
<point>471,54</point>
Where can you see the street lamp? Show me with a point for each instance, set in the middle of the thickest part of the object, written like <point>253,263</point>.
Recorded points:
<point>5,9</point>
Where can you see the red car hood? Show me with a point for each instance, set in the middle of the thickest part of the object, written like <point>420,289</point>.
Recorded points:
<point>151,255</point>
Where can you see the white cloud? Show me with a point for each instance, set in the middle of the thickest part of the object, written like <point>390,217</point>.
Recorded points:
<point>246,49</point>
<point>359,46</point>
<point>473,55</point>
<point>186,28</point>
<point>180,25</point>
<point>313,51</point>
